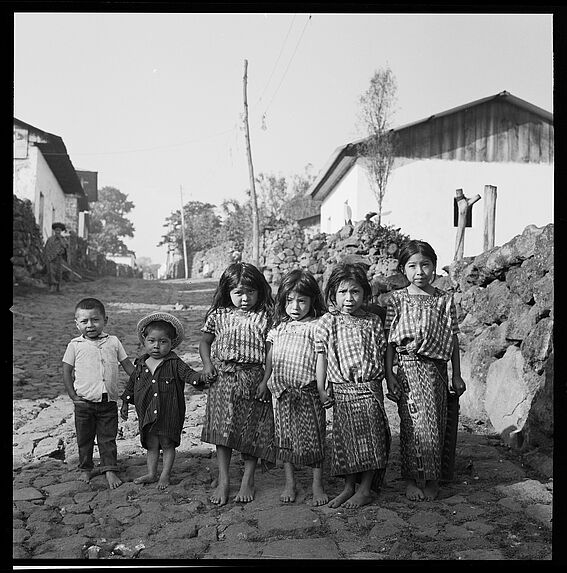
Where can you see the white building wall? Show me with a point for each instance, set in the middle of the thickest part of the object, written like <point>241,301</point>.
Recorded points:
<point>33,176</point>
<point>333,208</point>
<point>420,195</point>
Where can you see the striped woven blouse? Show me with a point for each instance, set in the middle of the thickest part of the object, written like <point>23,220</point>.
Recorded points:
<point>422,324</point>
<point>354,346</point>
<point>240,336</point>
<point>293,355</point>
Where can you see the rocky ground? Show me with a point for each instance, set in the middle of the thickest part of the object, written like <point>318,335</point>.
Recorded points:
<point>498,507</point>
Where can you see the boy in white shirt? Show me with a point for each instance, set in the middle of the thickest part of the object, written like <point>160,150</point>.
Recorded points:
<point>90,375</point>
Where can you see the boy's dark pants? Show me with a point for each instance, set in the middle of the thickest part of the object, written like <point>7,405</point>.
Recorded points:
<point>100,420</point>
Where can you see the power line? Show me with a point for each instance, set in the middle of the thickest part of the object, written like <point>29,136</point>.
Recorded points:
<point>277,60</point>
<point>289,63</point>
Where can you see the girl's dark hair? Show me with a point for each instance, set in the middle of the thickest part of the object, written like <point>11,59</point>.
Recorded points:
<point>161,325</point>
<point>90,304</point>
<point>304,283</point>
<point>412,248</point>
<point>347,272</point>
<point>247,275</point>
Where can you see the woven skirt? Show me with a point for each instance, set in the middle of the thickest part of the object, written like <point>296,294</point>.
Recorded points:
<point>361,433</point>
<point>234,418</point>
<point>428,427</point>
<point>300,426</point>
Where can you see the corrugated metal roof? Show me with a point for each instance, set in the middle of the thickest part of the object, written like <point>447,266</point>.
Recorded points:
<point>344,157</point>
<point>55,153</point>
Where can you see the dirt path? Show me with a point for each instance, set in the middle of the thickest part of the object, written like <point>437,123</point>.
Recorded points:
<point>497,507</point>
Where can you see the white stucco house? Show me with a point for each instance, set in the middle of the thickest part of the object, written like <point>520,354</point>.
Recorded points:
<point>43,174</point>
<point>501,141</point>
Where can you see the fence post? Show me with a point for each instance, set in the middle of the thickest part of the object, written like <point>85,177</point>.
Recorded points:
<point>489,216</point>
<point>463,205</point>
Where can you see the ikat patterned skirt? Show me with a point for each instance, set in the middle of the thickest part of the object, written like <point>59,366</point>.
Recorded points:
<point>426,446</point>
<point>233,417</point>
<point>300,426</point>
<point>361,433</point>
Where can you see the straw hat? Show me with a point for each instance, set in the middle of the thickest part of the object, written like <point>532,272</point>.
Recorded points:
<point>179,331</point>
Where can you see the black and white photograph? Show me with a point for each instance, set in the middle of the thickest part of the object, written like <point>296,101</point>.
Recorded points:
<point>283,286</point>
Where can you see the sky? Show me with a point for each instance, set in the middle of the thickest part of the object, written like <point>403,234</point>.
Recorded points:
<point>154,102</point>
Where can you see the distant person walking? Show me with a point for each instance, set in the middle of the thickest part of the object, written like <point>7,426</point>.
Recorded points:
<point>55,253</point>
<point>233,350</point>
<point>421,327</point>
<point>299,415</point>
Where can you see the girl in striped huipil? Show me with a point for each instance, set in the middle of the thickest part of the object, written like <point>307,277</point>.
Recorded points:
<point>233,350</point>
<point>421,327</point>
<point>299,416</point>
<point>350,371</point>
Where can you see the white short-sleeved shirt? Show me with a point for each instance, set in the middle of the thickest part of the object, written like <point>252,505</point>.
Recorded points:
<point>96,364</point>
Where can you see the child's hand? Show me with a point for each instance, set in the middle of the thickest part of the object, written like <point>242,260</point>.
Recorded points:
<point>326,400</point>
<point>394,389</point>
<point>209,374</point>
<point>263,393</point>
<point>124,411</point>
<point>458,384</point>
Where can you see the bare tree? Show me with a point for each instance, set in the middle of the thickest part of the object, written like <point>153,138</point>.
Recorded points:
<point>375,116</point>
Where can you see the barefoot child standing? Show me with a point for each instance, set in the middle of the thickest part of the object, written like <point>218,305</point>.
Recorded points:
<point>90,375</point>
<point>421,325</point>
<point>157,389</point>
<point>233,350</point>
<point>299,416</point>
<point>350,344</point>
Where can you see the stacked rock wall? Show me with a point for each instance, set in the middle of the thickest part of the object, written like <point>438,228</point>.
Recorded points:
<point>27,249</point>
<point>505,302</point>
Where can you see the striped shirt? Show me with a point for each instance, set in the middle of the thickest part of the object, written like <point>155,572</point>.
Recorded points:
<point>96,365</point>
<point>422,324</point>
<point>293,355</point>
<point>354,346</point>
<point>240,336</point>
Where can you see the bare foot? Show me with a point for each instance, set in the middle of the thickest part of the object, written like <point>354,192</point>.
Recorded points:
<point>319,496</point>
<point>220,495</point>
<point>148,478</point>
<point>288,494</point>
<point>113,480</point>
<point>347,493</point>
<point>413,492</point>
<point>431,489</point>
<point>357,500</point>
<point>84,476</point>
<point>245,493</point>
<point>163,482</point>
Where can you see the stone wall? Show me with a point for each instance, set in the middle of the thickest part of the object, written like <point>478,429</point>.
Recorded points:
<point>27,249</point>
<point>504,299</point>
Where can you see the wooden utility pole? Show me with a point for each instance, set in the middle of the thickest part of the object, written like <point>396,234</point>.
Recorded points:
<point>255,222</point>
<point>489,216</point>
<point>464,205</point>
<point>183,234</point>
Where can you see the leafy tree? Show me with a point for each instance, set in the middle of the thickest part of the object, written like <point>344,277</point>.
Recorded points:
<point>375,115</point>
<point>108,222</point>
<point>202,225</point>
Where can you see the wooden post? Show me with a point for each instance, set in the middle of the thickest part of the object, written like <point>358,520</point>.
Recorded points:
<point>255,222</point>
<point>489,216</point>
<point>464,205</point>
<point>183,235</point>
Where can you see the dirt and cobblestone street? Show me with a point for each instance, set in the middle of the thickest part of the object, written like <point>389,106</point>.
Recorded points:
<point>498,507</point>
